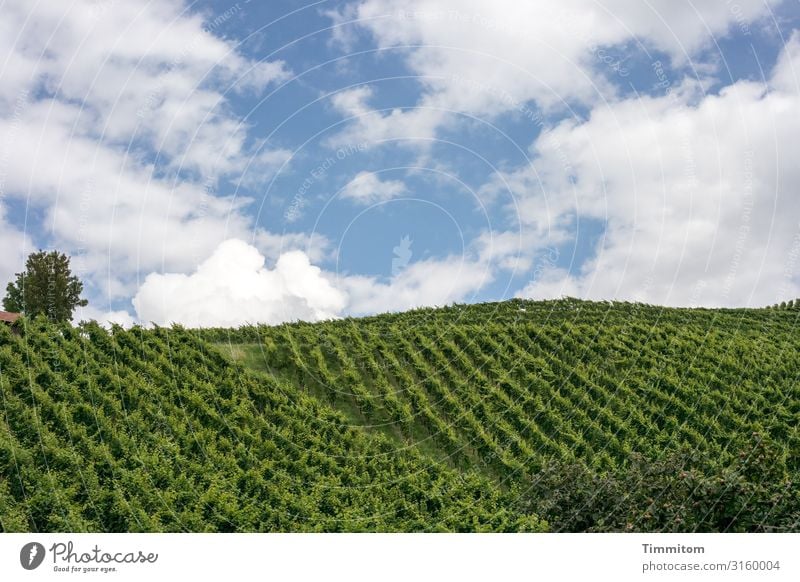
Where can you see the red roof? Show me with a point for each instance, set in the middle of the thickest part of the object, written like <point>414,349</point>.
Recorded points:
<point>9,317</point>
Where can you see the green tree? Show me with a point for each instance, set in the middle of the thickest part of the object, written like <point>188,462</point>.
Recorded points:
<point>46,287</point>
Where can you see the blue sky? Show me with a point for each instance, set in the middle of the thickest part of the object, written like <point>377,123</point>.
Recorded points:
<point>219,162</point>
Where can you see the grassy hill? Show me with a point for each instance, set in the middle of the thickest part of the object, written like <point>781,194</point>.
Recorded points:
<point>154,431</point>
<point>565,415</point>
<point>620,397</point>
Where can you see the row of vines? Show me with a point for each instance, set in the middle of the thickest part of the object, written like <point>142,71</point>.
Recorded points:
<point>517,388</point>
<point>151,430</point>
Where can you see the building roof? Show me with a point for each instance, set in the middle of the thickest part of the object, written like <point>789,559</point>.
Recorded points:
<point>9,317</point>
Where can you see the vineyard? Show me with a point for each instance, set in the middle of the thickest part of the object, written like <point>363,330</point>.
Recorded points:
<point>513,416</point>
<point>528,392</point>
<point>153,431</point>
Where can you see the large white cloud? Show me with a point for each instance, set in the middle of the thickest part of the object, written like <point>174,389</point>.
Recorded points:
<point>699,194</point>
<point>149,73</point>
<point>233,287</point>
<point>434,282</point>
<point>122,127</point>
<point>487,58</point>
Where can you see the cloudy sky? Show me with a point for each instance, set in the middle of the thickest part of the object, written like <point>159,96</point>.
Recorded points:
<point>215,163</point>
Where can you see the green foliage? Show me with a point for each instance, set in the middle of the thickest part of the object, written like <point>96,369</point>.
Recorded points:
<point>684,491</point>
<point>154,430</point>
<point>792,304</point>
<point>600,395</point>
<point>46,287</point>
<point>514,416</point>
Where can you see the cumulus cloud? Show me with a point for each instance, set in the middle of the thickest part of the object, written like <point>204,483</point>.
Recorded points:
<point>123,130</point>
<point>433,282</point>
<point>488,58</point>
<point>106,318</point>
<point>551,283</point>
<point>233,287</point>
<point>368,188</point>
<point>698,193</point>
<point>511,250</point>
<point>149,73</point>
<point>416,126</point>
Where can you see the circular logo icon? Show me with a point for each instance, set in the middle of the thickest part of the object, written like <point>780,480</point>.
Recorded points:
<point>31,555</point>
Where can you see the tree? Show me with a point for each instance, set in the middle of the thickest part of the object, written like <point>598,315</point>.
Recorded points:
<point>47,287</point>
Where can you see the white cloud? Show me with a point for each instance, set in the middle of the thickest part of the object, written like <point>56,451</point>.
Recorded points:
<point>552,283</point>
<point>698,194</point>
<point>105,318</point>
<point>315,245</point>
<point>786,74</point>
<point>434,282</point>
<point>233,287</point>
<point>489,57</point>
<point>511,250</point>
<point>343,35</point>
<point>122,130</point>
<point>264,162</point>
<point>100,203</point>
<point>415,126</point>
<point>151,74</point>
<point>14,243</point>
<point>15,246</point>
<point>368,188</point>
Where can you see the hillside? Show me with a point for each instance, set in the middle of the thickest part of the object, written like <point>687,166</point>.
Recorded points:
<point>513,416</point>
<point>527,392</point>
<point>153,431</point>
